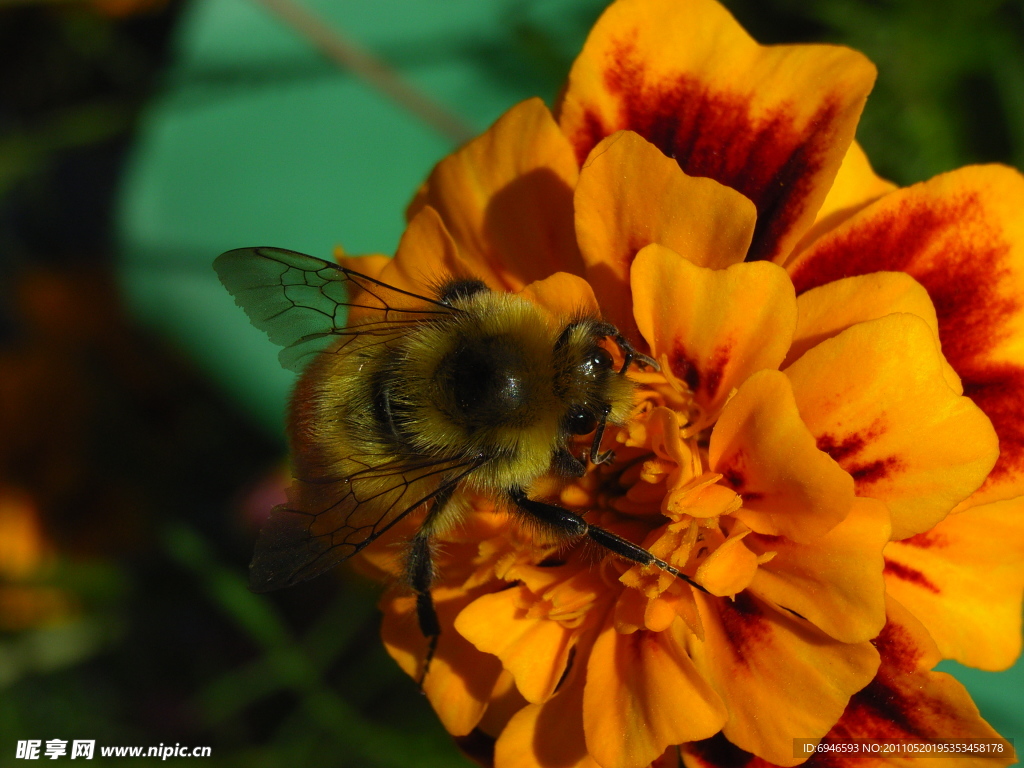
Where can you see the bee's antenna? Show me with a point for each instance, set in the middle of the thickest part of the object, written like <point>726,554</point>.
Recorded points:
<point>679,575</point>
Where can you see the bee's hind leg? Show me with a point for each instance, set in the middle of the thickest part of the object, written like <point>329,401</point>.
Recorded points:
<point>419,572</point>
<point>419,567</point>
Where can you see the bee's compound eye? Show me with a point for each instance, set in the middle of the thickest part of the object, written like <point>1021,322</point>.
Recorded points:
<point>601,358</point>
<point>580,422</point>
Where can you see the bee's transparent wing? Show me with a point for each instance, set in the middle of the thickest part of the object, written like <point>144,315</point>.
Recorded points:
<point>327,520</point>
<point>302,302</point>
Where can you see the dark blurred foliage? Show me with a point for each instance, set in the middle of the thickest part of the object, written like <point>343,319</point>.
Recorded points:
<point>106,430</point>
<point>138,471</point>
<point>129,622</point>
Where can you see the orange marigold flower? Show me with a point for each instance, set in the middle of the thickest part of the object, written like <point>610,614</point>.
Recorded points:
<point>830,443</point>
<point>25,556</point>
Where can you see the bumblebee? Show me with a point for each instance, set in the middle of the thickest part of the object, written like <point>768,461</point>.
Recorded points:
<point>418,402</point>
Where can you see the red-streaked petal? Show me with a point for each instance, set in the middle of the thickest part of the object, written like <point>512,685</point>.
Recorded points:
<point>766,454</point>
<point>715,327</point>
<point>642,694</point>
<point>856,185</point>
<point>906,701</point>
<point>630,195</point>
<point>777,675</point>
<point>834,582</point>
<point>965,579</point>
<point>772,122</point>
<point>507,197</point>
<point>875,398</point>
<point>961,235</point>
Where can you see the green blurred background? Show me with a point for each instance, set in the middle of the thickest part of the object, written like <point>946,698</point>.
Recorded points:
<point>140,415</point>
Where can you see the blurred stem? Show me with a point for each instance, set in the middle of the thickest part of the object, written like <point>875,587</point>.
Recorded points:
<point>285,659</point>
<point>349,55</point>
<point>243,686</point>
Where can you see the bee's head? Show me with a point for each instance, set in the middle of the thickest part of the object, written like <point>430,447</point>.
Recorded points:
<point>587,382</point>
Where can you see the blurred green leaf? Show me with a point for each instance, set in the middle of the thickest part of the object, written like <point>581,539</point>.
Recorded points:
<point>287,663</point>
<point>41,651</point>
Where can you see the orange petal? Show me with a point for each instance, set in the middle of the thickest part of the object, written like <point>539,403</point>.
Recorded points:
<point>548,735</point>
<point>563,295</point>
<point>856,185</point>
<point>507,197</point>
<point>824,311</point>
<point>369,264</point>
<point>505,702</point>
<point>836,582</point>
<point>716,327</point>
<point>961,236</point>
<point>461,679</point>
<point>875,399</point>
<point>777,675</point>
<point>703,498</point>
<point>964,580</point>
<point>768,456</point>
<point>659,431</point>
<point>630,195</point>
<point>730,568</point>
<point>642,694</point>
<point>533,648</point>
<point>427,256</point>
<point>771,122</point>
<point>906,701</point>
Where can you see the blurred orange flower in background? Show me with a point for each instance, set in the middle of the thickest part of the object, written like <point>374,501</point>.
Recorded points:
<point>832,447</point>
<point>26,560</point>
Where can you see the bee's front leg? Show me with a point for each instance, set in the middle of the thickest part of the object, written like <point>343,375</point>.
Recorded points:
<point>572,526</point>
